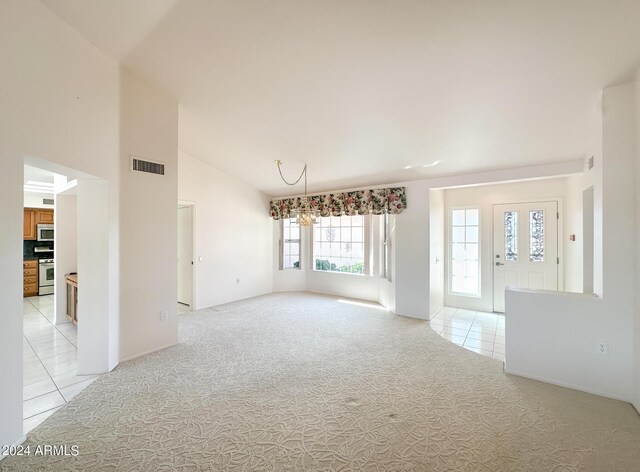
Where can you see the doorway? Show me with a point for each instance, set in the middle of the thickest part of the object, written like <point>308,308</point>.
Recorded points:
<point>59,357</point>
<point>525,248</point>
<point>185,255</point>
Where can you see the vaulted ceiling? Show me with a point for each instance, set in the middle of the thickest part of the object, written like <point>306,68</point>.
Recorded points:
<point>372,91</point>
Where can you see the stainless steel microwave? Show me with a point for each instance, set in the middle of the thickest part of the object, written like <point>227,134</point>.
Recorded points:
<point>45,232</point>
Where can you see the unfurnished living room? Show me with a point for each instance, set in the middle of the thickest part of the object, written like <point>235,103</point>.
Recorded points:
<point>320,235</point>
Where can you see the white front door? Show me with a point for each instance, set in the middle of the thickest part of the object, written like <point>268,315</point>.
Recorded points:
<point>525,248</point>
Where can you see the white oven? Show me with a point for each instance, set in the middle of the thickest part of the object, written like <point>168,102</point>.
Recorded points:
<point>44,232</point>
<point>46,278</point>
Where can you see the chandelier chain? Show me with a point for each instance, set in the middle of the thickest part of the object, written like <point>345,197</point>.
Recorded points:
<point>302,174</point>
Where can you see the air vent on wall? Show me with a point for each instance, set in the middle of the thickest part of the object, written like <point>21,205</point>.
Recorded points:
<point>47,201</point>
<point>149,167</point>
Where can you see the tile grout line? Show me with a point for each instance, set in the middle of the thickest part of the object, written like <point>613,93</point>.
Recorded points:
<point>40,360</point>
<point>56,327</point>
<point>47,371</point>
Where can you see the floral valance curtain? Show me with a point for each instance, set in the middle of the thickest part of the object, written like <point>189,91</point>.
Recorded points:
<point>359,202</point>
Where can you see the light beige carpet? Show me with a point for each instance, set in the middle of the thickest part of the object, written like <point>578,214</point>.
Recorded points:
<point>303,382</point>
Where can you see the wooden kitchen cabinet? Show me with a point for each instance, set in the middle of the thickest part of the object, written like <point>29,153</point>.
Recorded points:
<point>30,278</point>
<point>30,215</point>
<point>44,217</point>
<point>33,217</point>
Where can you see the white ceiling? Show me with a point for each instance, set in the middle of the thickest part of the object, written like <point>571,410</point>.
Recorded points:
<point>361,89</point>
<point>35,174</point>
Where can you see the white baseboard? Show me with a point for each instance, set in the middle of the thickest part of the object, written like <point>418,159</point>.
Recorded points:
<point>566,385</point>
<point>17,443</point>
<point>150,351</point>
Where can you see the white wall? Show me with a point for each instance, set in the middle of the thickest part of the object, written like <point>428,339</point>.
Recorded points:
<point>587,240</point>
<point>437,253</point>
<point>66,249</point>
<point>34,200</point>
<point>233,234</point>
<point>567,354</point>
<point>93,276</point>
<point>362,287</point>
<point>573,225</point>
<point>60,103</point>
<point>148,224</point>
<point>484,197</point>
<point>412,271</point>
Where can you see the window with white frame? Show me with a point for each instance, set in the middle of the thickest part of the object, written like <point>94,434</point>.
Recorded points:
<point>340,244</point>
<point>290,244</point>
<point>465,256</point>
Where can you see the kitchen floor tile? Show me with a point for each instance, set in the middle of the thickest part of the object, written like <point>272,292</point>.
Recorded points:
<point>61,367</point>
<point>55,350</point>
<point>60,357</point>
<point>30,423</point>
<point>41,404</point>
<point>38,388</point>
<point>49,362</point>
<point>33,375</point>
<point>70,378</point>
<point>72,390</point>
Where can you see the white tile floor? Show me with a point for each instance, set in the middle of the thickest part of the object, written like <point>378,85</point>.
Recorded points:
<point>50,362</point>
<point>474,330</point>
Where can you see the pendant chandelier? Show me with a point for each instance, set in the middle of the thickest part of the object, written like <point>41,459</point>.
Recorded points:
<point>304,214</point>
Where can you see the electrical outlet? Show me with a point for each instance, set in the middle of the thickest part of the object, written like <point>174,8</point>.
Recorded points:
<point>603,348</point>
<point>164,315</point>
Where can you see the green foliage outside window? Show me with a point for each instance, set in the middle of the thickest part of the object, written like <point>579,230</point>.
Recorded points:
<point>324,264</point>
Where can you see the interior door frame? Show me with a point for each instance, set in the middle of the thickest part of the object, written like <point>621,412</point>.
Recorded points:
<point>560,266</point>
<point>193,248</point>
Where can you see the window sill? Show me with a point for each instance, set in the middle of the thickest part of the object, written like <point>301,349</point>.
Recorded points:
<point>340,273</point>
<point>466,295</point>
